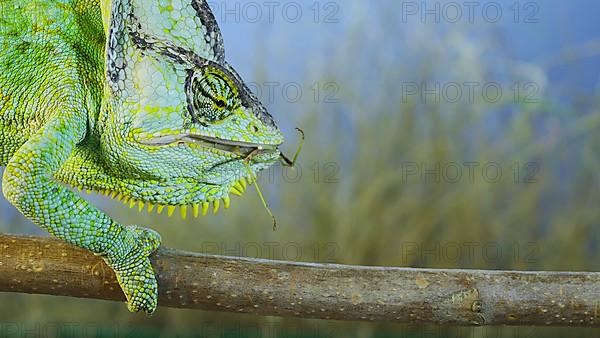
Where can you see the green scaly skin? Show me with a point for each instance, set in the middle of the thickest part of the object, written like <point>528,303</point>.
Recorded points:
<point>131,98</point>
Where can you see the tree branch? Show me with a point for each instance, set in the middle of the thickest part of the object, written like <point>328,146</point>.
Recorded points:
<point>326,291</point>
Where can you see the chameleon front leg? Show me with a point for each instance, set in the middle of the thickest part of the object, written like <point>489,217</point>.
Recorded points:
<point>29,185</point>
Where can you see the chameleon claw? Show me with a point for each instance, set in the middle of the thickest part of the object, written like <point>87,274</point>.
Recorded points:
<point>205,206</point>
<point>216,204</point>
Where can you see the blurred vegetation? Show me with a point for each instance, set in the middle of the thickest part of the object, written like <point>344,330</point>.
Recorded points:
<point>361,206</point>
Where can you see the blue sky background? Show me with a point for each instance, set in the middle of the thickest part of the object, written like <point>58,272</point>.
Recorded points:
<point>562,45</point>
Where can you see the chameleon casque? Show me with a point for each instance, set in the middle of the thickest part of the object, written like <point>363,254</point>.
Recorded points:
<point>130,98</point>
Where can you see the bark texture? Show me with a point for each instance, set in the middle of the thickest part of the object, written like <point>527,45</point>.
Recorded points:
<point>326,291</point>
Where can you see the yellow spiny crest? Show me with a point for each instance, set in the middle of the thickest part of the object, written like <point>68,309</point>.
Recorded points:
<point>183,211</point>
<point>235,190</point>
<point>226,202</point>
<point>239,187</point>
<point>197,208</point>
<point>170,210</point>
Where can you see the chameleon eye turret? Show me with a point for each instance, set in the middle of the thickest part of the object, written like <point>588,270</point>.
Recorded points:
<point>149,112</point>
<point>211,96</point>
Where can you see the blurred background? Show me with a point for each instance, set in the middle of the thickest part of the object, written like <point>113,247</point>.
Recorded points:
<point>438,134</point>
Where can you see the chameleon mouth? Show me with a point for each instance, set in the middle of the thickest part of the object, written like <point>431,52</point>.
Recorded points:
<point>235,147</point>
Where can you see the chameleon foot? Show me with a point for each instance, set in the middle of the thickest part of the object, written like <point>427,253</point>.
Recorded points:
<point>148,238</point>
<point>134,271</point>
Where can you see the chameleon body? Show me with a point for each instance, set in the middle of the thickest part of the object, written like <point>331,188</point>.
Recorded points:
<point>130,98</point>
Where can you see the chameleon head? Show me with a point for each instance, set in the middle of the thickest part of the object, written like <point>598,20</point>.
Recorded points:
<point>176,118</point>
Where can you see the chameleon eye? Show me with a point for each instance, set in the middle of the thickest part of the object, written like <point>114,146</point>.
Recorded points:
<point>207,96</point>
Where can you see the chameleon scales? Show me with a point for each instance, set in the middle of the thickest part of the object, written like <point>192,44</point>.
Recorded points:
<point>130,98</point>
